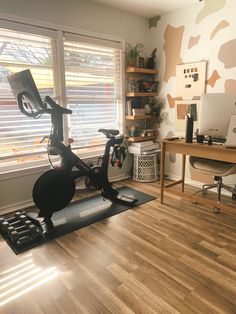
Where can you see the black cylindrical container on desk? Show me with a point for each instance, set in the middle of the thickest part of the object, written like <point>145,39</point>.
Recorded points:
<point>189,130</point>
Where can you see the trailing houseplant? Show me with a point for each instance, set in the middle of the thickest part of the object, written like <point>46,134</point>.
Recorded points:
<point>133,52</point>
<point>156,108</point>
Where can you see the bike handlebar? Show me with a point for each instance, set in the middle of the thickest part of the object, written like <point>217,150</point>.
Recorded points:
<point>55,107</point>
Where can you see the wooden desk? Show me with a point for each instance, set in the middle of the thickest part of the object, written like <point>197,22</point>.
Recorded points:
<point>217,152</point>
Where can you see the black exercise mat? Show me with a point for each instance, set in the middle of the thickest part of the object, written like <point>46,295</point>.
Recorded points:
<point>83,213</point>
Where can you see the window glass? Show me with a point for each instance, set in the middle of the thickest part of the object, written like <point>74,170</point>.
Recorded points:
<point>92,77</point>
<point>93,93</point>
<point>20,136</point>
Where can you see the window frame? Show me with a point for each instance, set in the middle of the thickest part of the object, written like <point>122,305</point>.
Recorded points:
<point>58,33</point>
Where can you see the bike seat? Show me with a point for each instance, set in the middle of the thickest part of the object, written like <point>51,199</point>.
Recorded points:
<point>109,131</point>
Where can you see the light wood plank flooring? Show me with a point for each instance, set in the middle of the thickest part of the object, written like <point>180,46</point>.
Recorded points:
<point>172,258</point>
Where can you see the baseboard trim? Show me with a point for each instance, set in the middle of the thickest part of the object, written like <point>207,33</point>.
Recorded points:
<point>29,203</point>
<point>17,206</point>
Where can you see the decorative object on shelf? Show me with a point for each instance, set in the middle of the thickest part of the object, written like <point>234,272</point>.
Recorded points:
<point>133,131</point>
<point>151,60</point>
<point>141,62</point>
<point>129,107</point>
<point>132,84</point>
<point>147,132</point>
<point>138,112</point>
<point>147,86</point>
<point>133,52</point>
<point>147,109</point>
<point>142,85</point>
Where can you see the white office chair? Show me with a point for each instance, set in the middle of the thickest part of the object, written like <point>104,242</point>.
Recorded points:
<point>217,169</point>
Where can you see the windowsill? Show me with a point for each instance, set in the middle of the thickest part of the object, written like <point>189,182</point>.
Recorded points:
<point>25,171</point>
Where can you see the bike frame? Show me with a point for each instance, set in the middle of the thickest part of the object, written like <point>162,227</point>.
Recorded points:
<point>70,160</point>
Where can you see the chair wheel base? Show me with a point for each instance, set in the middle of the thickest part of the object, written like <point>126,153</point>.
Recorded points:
<point>216,210</point>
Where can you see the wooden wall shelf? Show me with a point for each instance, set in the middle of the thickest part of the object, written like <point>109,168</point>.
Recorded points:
<point>141,70</point>
<point>139,117</point>
<point>140,138</point>
<point>137,94</point>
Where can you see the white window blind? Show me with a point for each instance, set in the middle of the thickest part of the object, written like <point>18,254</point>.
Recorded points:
<point>19,135</point>
<point>89,67</point>
<point>93,90</point>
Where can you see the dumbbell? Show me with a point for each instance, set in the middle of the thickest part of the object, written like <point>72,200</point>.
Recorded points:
<point>12,219</point>
<point>13,222</point>
<point>16,236</point>
<point>22,227</point>
<point>26,239</point>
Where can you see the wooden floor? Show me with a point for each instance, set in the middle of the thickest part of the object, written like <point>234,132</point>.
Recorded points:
<point>172,258</point>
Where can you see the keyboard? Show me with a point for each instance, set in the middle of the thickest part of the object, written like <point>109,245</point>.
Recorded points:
<point>218,140</point>
<point>217,143</point>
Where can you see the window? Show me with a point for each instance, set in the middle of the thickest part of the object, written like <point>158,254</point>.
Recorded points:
<point>93,81</point>
<point>20,136</point>
<point>90,72</point>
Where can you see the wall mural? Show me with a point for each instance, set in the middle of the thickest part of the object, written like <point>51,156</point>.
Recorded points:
<point>227,54</point>
<point>173,41</point>
<point>184,39</point>
<point>193,41</point>
<point>210,7</point>
<point>230,86</point>
<point>171,101</point>
<point>220,26</point>
<point>214,77</point>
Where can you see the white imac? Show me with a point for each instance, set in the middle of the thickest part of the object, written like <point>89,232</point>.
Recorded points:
<point>215,112</point>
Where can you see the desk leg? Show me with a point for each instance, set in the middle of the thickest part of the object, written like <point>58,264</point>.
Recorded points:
<point>183,171</point>
<point>162,171</point>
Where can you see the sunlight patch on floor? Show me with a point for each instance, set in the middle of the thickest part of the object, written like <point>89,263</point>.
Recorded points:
<point>22,278</point>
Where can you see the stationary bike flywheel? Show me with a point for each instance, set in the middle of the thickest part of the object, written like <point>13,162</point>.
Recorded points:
<point>53,191</point>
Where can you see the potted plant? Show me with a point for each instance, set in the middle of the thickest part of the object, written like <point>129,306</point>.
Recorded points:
<point>156,108</point>
<point>133,52</point>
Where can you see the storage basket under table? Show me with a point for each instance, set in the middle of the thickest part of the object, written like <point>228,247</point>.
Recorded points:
<point>145,168</point>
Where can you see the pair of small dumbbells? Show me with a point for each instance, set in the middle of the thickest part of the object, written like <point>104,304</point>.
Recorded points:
<point>5,223</point>
<point>18,228</point>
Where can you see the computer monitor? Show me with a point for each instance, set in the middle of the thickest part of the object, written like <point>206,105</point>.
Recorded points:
<point>215,112</point>
<point>23,82</point>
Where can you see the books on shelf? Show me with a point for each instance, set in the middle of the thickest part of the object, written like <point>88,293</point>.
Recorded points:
<point>138,112</point>
<point>141,149</point>
<point>149,152</point>
<point>142,144</point>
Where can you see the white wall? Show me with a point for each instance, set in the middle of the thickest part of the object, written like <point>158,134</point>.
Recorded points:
<point>207,48</point>
<point>81,15</point>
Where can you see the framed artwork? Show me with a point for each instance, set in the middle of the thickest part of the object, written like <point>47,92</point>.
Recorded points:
<point>190,79</point>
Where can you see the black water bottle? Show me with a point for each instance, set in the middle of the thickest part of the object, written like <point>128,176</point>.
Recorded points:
<point>189,129</point>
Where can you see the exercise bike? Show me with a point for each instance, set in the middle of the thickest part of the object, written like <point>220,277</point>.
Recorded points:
<point>55,188</point>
